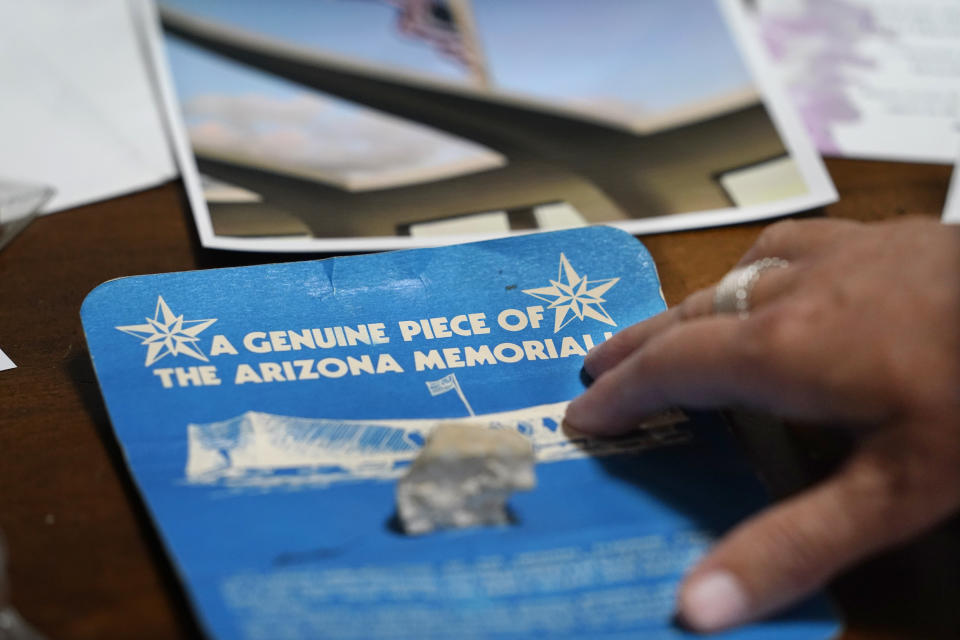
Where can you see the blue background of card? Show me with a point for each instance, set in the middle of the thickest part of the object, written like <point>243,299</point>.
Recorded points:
<point>253,560</point>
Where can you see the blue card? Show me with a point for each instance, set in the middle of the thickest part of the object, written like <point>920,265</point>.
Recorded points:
<point>266,413</point>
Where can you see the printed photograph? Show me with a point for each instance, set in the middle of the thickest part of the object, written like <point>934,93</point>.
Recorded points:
<point>415,120</point>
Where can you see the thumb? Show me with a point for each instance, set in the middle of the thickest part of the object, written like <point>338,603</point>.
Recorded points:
<point>790,550</point>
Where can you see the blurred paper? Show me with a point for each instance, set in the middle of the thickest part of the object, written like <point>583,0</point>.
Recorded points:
<point>875,79</point>
<point>78,112</point>
<point>19,204</point>
<point>381,124</point>
<point>951,210</point>
<point>6,362</point>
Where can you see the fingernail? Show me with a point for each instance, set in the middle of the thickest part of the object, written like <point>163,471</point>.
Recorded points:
<point>591,356</point>
<point>714,601</point>
<point>574,415</point>
<point>585,377</point>
<point>572,410</point>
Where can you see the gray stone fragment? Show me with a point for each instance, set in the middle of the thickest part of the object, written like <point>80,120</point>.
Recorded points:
<point>463,477</point>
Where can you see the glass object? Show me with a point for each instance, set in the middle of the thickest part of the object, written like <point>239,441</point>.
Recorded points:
<point>12,626</point>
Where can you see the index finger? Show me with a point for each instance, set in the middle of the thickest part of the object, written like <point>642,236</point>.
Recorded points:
<point>710,362</point>
<point>611,352</point>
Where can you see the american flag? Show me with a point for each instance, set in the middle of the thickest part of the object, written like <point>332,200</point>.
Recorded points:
<point>449,383</point>
<point>444,384</point>
<point>444,24</point>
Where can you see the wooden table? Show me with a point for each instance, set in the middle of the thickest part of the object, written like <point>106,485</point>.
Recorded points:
<point>85,561</point>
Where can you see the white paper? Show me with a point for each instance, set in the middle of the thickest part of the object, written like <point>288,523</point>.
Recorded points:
<point>876,79</point>
<point>5,362</point>
<point>818,187</point>
<point>19,204</point>
<point>951,210</point>
<point>78,111</point>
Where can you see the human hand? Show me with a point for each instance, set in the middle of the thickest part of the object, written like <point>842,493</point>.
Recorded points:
<point>861,330</point>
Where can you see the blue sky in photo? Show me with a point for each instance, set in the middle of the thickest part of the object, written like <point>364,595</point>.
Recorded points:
<point>650,54</point>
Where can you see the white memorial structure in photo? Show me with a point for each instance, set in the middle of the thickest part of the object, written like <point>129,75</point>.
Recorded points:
<point>265,450</point>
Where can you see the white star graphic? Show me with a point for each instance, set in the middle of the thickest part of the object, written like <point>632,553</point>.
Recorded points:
<point>573,292</point>
<point>167,334</point>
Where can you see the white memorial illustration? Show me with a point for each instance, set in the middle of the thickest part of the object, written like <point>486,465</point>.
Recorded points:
<point>265,450</point>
